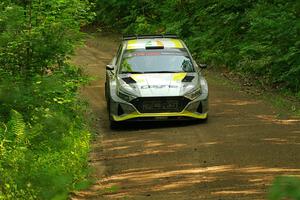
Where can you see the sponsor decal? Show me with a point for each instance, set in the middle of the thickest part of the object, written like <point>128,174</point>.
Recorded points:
<point>146,54</point>
<point>158,86</point>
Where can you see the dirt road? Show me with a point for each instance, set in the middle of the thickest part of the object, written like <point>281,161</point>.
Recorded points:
<point>235,155</point>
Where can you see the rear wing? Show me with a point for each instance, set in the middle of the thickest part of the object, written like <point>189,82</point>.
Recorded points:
<point>132,37</point>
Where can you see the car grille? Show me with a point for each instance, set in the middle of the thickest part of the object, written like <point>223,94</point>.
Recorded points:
<point>160,104</point>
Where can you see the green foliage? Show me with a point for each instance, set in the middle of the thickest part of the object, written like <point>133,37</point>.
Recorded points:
<point>36,36</point>
<point>257,37</point>
<point>44,140</point>
<point>285,188</point>
<point>13,151</point>
<point>44,153</point>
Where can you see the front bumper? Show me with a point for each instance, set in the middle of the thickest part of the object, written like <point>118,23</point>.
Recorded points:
<point>160,116</point>
<point>123,111</point>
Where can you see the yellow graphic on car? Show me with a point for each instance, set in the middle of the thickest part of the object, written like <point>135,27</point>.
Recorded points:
<point>179,76</point>
<point>159,43</point>
<point>138,78</point>
<point>132,44</point>
<point>177,43</point>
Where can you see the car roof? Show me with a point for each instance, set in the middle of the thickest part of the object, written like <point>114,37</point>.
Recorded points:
<point>152,43</point>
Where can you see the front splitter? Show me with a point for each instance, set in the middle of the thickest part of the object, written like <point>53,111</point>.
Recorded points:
<point>158,115</point>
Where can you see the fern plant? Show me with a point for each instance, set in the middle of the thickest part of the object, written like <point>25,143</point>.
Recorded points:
<point>16,128</point>
<point>13,150</point>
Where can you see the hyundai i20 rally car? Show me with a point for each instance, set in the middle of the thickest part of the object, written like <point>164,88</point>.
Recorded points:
<point>154,77</point>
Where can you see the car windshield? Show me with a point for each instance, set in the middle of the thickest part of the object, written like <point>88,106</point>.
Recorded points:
<point>159,61</point>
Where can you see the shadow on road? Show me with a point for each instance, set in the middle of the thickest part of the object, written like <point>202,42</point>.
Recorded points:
<point>235,155</point>
<point>148,125</point>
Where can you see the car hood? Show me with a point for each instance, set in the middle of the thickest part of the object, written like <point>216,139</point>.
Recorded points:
<point>158,84</point>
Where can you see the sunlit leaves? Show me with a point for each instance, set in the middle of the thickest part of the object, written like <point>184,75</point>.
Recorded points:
<point>38,35</point>
<point>41,123</point>
<point>256,37</point>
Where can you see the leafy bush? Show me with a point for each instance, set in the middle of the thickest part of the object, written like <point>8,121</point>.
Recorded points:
<point>37,36</point>
<point>44,140</point>
<point>44,152</point>
<point>285,188</point>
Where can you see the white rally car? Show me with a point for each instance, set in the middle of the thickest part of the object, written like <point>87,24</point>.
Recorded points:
<point>154,77</point>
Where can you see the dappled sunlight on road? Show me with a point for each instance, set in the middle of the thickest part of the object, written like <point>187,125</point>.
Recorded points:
<point>265,170</point>
<point>209,179</point>
<point>235,102</point>
<point>282,141</point>
<point>157,174</point>
<point>143,153</point>
<point>273,119</point>
<point>235,155</point>
<point>214,177</point>
<point>119,148</point>
<point>227,158</point>
<point>234,192</point>
<point>251,180</point>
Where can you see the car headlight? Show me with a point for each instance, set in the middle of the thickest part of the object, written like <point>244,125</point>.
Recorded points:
<point>204,86</point>
<point>125,95</point>
<point>194,94</point>
<point>124,91</point>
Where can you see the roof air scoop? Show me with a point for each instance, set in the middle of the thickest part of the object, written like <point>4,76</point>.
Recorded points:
<point>154,45</point>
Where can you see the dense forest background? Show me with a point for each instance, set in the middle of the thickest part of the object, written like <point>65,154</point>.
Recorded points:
<point>257,38</point>
<point>44,138</point>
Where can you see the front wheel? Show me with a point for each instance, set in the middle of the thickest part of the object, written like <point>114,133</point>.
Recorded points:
<point>113,124</point>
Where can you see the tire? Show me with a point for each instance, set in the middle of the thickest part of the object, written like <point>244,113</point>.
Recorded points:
<point>204,121</point>
<point>105,91</point>
<point>113,124</point>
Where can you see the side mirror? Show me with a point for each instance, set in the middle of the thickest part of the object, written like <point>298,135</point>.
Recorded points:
<point>110,67</point>
<point>203,66</point>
